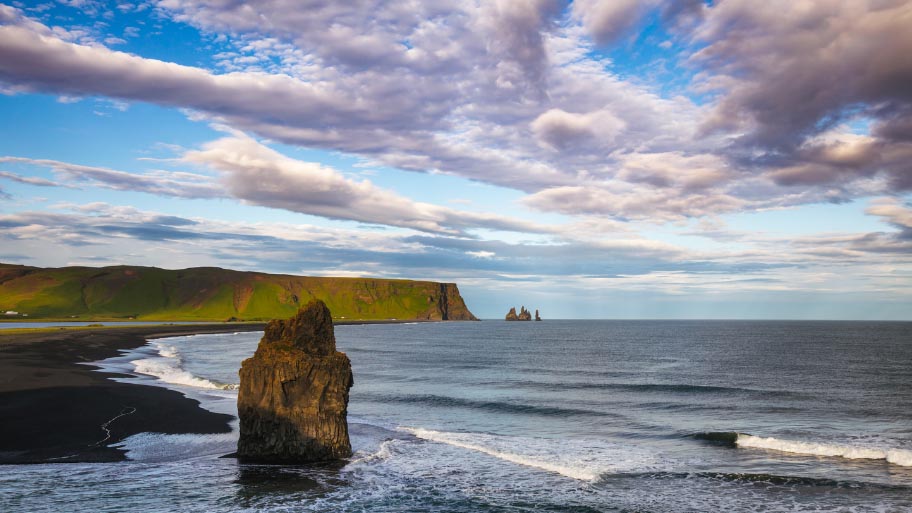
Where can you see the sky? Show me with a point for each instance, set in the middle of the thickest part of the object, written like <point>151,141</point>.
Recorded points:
<point>592,159</point>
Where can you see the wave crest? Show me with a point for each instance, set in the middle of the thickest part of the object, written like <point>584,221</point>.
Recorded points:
<point>901,457</point>
<point>167,366</point>
<point>584,460</point>
<point>729,438</point>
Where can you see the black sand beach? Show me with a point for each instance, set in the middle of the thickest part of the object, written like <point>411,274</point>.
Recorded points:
<point>52,409</point>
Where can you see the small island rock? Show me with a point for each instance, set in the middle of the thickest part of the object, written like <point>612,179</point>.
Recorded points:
<point>293,399</point>
<point>523,315</point>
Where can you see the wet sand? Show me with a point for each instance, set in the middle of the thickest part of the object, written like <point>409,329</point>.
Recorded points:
<point>53,409</point>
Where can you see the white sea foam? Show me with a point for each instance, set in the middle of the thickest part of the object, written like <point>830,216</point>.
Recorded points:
<point>578,459</point>
<point>167,366</point>
<point>160,447</point>
<point>382,453</point>
<point>901,457</point>
<point>581,472</point>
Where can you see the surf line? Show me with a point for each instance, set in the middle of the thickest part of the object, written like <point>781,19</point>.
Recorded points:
<point>128,410</point>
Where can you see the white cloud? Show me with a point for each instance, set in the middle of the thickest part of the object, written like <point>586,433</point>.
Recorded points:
<point>512,94</point>
<point>462,97</point>
<point>893,212</point>
<point>165,183</point>
<point>559,129</point>
<point>256,174</point>
<point>30,180</point>
<point>481,254</point>
<point>609,20</point>
<point>259,175</point>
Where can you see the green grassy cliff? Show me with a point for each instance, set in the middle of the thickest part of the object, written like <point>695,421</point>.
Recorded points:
<point>214,294</point>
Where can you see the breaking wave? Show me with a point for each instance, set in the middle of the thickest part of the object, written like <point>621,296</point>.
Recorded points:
<point>895,456</point>
<point>167,366</point>
<point>585,460</point>
<point>902,457</point>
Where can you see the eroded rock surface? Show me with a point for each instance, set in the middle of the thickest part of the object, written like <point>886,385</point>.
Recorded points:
<point>524,315</point>
<point>293,399</point>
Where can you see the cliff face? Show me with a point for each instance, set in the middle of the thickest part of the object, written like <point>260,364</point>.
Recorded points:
<point>293,399</point>
<point>448,305</point>
<point>213,294</point>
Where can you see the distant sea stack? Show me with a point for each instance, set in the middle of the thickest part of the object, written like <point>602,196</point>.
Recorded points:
<point>293,399</point>
<point>524,315</point>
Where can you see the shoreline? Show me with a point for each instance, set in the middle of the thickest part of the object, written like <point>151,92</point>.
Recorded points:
<point>55,409</point>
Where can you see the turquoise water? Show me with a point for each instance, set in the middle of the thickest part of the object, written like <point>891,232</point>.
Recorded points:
<point>552,416</point>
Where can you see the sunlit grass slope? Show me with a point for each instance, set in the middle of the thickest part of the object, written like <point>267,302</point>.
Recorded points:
<point>214,294</point>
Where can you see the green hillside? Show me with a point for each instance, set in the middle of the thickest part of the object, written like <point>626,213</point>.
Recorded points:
<point>214,294</point>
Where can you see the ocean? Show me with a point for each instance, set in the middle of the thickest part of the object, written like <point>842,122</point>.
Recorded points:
<point>569,416</point>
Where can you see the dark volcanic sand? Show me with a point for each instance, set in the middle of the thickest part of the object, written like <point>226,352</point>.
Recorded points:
<point>52,409</point>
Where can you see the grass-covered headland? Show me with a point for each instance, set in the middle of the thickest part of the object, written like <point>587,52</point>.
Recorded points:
<point>213,294</point>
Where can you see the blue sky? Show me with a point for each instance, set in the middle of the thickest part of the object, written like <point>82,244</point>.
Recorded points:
<point>592,159</point>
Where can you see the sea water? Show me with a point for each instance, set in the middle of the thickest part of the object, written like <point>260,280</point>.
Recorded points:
<point>580,416</point>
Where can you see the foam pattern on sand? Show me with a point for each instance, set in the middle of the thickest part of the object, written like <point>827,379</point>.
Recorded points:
<point>160,447</point>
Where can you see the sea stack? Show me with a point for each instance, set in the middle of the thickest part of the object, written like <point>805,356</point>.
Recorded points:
<point>524,315</point>
<point>293,399</point>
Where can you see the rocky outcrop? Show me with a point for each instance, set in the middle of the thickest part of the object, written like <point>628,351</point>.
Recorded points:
<point>293,399</point>
<point>524,315</point>
<point>537,317</point>
<point>447,305</point>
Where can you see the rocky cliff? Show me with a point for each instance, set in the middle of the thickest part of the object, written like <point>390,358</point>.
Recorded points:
<point>448,305</point>
<point>293,399</point>
<point>214,294</point>
<point>524,315</point>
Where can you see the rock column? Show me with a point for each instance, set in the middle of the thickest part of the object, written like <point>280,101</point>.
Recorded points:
<point>293,399</point>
